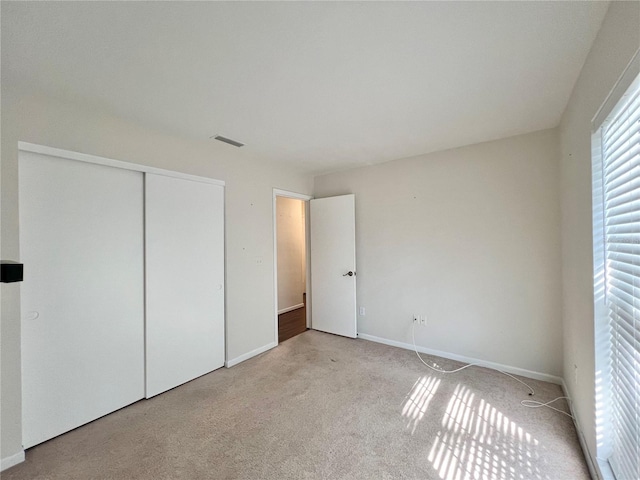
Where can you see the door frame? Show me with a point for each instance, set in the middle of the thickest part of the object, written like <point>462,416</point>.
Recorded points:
<point>109,162</point>
<point>307,252</point>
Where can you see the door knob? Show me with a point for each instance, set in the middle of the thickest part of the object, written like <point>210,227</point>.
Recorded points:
<point>349,273</point>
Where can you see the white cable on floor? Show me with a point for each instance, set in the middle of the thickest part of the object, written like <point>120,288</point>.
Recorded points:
<point>536,404</point>
<point>524,403</point>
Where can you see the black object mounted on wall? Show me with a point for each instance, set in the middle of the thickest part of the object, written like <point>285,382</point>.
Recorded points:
<point>11,271</point>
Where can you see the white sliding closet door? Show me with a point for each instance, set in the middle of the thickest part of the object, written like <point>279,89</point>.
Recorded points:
<point>81,241</point>
<point>184,280</point>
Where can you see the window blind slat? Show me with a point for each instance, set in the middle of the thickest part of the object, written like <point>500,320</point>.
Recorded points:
<point>626,228</point>
<point>622,219</point>
<point>620,140</point>
<point>630,194</point>
<point>617,295</point>
<point>624,239</point>
<point>621,254</point>
<point>626,443</point>
<point>626,136</point>
<point>621,147</point>
<point>622,266</point>
<point>623,311</point>
<point>626,357</point>
<point>614,125</point>
<point>627,183</point>
<point>623,308</point>
<point>619,136</point>
<point>623,415</point>
<point>631,290</point>
<point>632,198</point>
<point>618,157</point>
<point>630,276</point>
<point>621,260</point>
<point>622,410</point>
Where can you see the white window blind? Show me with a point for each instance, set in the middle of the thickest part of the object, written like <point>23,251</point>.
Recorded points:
<point>620,136</point>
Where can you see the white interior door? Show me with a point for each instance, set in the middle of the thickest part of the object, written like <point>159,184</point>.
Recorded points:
<point>82,299</point>
<point>333,265</point>
<point>184,280</point>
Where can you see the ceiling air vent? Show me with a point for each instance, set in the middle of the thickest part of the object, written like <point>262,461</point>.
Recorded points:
<point>229,141</point>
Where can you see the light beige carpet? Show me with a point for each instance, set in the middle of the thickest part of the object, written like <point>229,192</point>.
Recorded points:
<point>321,406</point>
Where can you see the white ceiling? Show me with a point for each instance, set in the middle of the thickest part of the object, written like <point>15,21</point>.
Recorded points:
<point>324,86</point>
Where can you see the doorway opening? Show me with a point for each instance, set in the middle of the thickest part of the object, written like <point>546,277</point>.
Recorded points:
<point>291,264</point>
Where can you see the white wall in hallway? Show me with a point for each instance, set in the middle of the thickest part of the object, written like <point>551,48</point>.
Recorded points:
<point>290,223</point>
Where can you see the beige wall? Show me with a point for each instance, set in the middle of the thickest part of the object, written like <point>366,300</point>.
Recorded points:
<point>470,238</point>
<point>248,210</point>
<point>617,41</point>
<point>291,251</point>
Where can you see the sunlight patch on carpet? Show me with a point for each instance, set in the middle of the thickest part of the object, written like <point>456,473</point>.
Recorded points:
<point>418,399</point>
<point>477,441</point>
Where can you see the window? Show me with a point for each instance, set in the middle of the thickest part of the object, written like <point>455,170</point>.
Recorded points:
<point>616,208</point>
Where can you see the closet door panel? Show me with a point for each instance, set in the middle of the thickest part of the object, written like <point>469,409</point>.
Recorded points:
<point>82,299</point>
<point>184,241</point>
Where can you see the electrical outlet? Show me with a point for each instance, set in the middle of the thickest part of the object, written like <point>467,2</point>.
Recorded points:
<point>362,311</point>
<point>420,320</point>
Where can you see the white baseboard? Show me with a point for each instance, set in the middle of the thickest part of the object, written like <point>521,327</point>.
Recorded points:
<point>461,358</point>
<point>288,309</point>
<point>248,355</point>
<point>594,468</point>
<point>14,459</point>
